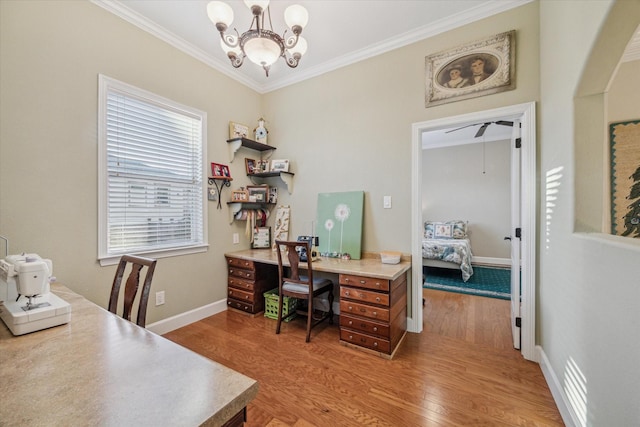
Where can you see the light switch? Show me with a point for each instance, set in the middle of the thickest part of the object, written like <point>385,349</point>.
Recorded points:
<point>387,202</point>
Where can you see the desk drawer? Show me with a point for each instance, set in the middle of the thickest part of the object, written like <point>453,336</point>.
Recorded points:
<point>244,274</point>
<point>364,296</point>
<point>241,263</point>
<point>367,341</point>
<point>240,305</point>
<point>245,285</point>
<point>350,307</point>
<point>371,327</point>
<point>364,282</point>
<point>240,295</point>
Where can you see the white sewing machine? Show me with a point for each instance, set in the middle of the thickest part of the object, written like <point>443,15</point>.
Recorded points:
<point>26,303</point>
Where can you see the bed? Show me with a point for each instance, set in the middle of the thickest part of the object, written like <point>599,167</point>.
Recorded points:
<point>446,245</point>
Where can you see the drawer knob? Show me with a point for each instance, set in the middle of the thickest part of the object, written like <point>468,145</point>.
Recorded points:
<point>363,310</point>
<point>378,284</point>
<point>375,313</point>
<point>346,293</point>
<point>248,274</point>
<point>375,344</point>
<point>363,281</point>
<point>375,329</point>
<point>378,299</point>
<point>350,308</point>
<point>231,271</point>
<point>246,263</point>
<point>350,322</point>
<point>246,297</point>
<point>350,337</point>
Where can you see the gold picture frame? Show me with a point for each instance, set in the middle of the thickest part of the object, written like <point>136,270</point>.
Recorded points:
<point>476,69</point>
<point>238,130</point>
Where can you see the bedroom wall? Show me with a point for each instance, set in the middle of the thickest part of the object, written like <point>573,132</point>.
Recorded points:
<point>456,184</point>
<point>52,53</point>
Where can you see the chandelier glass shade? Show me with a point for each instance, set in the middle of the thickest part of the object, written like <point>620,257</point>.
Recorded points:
<point>262,46</point>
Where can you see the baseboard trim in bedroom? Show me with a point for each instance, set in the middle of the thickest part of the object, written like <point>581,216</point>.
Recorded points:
<point>568,415</point>
<point>491,262</point>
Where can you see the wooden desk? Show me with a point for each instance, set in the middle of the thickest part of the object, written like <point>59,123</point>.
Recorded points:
<point>100,369</point>
<point>373,296</point>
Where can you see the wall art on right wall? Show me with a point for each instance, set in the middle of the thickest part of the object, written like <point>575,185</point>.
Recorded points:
<point>624,138</point>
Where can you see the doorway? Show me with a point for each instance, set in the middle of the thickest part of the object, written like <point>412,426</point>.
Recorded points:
<point>525,114</point>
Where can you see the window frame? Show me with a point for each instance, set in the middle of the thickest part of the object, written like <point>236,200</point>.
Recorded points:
<point>106,85</point>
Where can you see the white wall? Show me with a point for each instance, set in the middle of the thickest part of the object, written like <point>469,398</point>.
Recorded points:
<point>589,284</point>
<point>471,183</point>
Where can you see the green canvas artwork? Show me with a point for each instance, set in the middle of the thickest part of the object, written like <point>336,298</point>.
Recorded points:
<point>339,226</point>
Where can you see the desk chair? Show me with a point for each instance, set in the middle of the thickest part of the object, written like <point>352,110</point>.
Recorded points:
<point>302,287</point>
<point>131,287</point>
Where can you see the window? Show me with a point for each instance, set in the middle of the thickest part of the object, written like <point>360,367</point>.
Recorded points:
<point>151,190</point>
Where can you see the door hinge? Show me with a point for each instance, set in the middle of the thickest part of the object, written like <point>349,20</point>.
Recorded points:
<point>518,142</point>
<point>519,233</point>
<point>519,322</point>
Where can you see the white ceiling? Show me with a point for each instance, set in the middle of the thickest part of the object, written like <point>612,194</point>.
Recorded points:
<point>339,32</point>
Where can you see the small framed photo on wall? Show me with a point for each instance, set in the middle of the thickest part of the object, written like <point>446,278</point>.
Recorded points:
<point>280,165</point>
<point>250,165</point>
<point>261,238</point>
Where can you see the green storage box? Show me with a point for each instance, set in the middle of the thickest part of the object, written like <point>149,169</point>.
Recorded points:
<point>271,299</point>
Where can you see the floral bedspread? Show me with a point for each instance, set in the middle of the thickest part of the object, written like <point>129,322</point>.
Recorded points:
<point>451,250</point>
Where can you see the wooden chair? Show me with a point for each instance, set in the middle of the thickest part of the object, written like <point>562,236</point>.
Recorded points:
<point>299,286</point>
<point>131,287</point>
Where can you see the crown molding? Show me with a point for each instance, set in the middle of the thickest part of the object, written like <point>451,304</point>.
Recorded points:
<point>482,11</point>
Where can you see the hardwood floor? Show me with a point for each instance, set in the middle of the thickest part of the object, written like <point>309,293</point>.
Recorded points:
<point>460,371</point>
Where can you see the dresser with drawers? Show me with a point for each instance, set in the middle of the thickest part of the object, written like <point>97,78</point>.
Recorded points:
<point>373,312</point>
<point>247,282</point>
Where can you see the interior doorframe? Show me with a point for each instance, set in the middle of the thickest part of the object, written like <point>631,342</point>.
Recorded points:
<point>526,113</point>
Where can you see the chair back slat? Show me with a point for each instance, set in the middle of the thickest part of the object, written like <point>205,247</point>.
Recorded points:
<point>131,287</point>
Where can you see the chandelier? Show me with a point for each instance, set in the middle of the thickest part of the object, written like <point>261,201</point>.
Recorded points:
<point>262,46</point>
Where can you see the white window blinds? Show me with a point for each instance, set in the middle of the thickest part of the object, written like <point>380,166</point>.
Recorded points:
<point>152,163</point>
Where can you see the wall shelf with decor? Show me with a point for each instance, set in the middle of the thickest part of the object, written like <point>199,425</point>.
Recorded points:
<point>235,207</point>
<point>236,143</point>
<point>286,177</point>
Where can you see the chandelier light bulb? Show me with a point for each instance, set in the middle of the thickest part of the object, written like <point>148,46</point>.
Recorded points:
<point>220,13</point>
<point>296,15</point>
<point>262,4</point>
<point>236,50</point>
<point>300,48</point>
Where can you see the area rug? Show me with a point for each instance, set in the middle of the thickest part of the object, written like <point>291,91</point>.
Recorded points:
<point>485,282</point>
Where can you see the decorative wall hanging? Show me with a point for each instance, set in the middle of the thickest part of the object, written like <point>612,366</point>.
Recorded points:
<point>625,178</point>
<point>281,224</point>
<point>476,69</point>
<point>237,130</point>
<point>340,224</point>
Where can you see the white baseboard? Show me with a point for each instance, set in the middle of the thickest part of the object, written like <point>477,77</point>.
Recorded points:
<point>183,319</point>
<point>557,391</point>
<point>499,262</point>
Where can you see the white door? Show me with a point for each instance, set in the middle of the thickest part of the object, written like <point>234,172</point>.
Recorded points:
<point>515,233</point>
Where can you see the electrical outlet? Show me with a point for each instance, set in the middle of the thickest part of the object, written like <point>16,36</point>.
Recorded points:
<point>159,298</point>
<point>236,238</point>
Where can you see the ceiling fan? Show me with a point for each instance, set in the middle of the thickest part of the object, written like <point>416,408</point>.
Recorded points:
<point>483,127</point>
